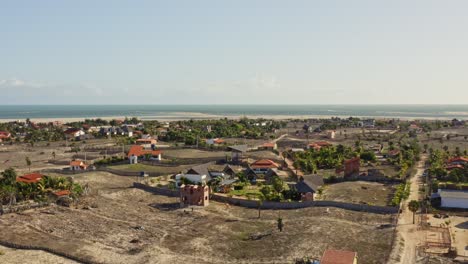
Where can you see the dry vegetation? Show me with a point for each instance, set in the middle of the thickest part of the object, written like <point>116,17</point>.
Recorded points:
<point>119,224</point>
<point>359,192</point>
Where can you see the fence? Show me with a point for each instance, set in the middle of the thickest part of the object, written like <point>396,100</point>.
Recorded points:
<point>21,207</point>
<point>278,205</point>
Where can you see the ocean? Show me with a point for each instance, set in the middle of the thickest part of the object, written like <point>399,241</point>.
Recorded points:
<point>213,111</point>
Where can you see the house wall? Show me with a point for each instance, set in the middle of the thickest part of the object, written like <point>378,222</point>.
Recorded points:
<point>194,195</point>
<point>454,203</point>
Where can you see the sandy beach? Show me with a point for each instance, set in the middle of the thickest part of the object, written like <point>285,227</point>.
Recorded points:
<point>177,116</point>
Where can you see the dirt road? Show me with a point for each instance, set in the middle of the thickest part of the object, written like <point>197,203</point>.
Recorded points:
<point>407,231</point>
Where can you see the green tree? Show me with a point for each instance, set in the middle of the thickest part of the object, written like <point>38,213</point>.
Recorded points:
<point>8,177</point>
<point>280,224</point>
<point>278,184</point>
<point>261,198</point>
<point>413,206</point>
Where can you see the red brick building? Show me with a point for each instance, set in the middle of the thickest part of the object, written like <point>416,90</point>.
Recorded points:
<point>194,195</point>
<point>351,167</point>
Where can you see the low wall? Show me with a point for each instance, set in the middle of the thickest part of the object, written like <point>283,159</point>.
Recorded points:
<point>278,205</point>
<point>46,249</point>
<point>21,207</point>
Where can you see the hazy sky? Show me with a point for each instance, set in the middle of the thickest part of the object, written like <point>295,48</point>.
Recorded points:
<point>237,52</point>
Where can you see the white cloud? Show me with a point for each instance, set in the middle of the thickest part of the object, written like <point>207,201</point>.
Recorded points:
<point>14,82</point>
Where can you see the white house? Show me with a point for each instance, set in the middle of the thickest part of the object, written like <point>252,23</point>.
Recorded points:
<point>195,178</point>
<point>453,198</point>
<point>74,133</point>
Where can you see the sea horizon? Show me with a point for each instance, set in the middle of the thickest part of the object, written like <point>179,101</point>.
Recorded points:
<point>210,111</point>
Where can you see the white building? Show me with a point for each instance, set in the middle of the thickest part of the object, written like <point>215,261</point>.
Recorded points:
<point>453,198</point>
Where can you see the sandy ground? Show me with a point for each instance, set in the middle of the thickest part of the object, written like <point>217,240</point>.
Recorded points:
<point>118,224</point>
<point>359,192</point>
<point>14,256</point>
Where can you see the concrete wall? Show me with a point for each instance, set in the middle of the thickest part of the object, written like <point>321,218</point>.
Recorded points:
<point>278,205</point>
<point>21,207</point>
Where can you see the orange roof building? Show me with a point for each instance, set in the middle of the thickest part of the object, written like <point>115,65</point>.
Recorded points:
<point>30,178</point>
<point>318,145</point>
<point>338,257</point>
<point>263,165</point>
<point>137,151</point>
<point>78,165</point>
<point>458,160</point>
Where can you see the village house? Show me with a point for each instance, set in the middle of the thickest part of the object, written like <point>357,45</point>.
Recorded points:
<point>268,146</point>
<point>274,172</point>
<point>456,163</point>
<point>331,256</point>
<point>214,141</point>
<point>415,128</point>
<point>4,135</point>
<point>30,178</point>
<point>457,123</point>
<point>139,152</point>
<point>331,134</point>
<point>237,152</point>
<point>352,167</point>
<point>318,145</point>
<point>367,123</point>
<point>73,133</point>
<point>146,142</point>
<point>250,175</point>
<point>194,195</point>
<point>262,166</point>
<point>225,186</point>
<point>452,198</point>
<point>78,165</point>
<point>308,186</point>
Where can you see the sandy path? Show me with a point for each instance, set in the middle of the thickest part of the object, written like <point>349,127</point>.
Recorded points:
<point>406,229</point>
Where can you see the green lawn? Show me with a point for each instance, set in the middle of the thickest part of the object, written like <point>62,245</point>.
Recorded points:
<point>252,191</point>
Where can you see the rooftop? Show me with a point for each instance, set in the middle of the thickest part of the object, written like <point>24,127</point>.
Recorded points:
<point>331,256</point>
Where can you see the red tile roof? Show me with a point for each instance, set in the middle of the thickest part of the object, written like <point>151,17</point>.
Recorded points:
<point>318,145</point>
<point>71,131</point>
<point>140,151</point>
<point>79,163</point>
<point>30,178</point>
<point>458,159</point>
<point>269,145</point>
<point>456,166</point>
<point>4,135</point>
<point>338,257</point>
<point>218,141</point>
<point>62,193</point>
<point>264,164</point>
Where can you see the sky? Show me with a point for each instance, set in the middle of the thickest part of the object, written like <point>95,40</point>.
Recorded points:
<point>234,52</point>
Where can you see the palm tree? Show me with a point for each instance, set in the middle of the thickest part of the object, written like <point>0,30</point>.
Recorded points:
<point>413,206</point>
<point>261,198</point>
<point>28,163</point>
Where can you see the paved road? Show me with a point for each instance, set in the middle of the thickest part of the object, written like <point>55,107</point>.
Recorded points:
<point>406,229</point>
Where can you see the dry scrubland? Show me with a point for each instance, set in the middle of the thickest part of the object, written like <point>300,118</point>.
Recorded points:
<point>359,192</point>
<point>104,227</point>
